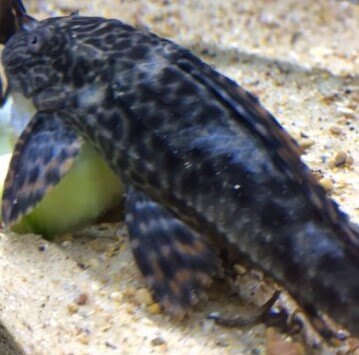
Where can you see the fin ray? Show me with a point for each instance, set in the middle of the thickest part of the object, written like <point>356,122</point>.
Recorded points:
<point>44,153</point>
<point>177,262</point>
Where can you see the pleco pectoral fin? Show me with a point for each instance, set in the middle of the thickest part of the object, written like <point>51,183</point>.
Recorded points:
<point>177,262</point>
<point>43,154</point>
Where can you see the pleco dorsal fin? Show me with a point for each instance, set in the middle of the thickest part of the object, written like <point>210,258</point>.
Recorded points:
<point>281,146</point>
<point>43,154</point>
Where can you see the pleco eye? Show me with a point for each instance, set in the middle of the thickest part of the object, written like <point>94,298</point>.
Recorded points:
<point>34,39</point>
<point>35,42</point>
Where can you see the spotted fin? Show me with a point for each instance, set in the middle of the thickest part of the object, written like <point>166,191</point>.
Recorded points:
<point>177,262</point>
<point>43,154</point>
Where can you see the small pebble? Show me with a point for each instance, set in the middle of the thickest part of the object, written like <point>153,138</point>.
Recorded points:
<point>318,175</point>
<point>110,345</point>
<point>94,263</point>
<point>239,269</point>
<point>346,111</point>
<point>349,161</point>
<point>72,308</point>
<point>306,143</point>
<point>129,308</point>
<point>116,296</point>
<point>326,183</point>
<point>106,327</point>
<point>158,341</point>
<point>335,130</point>
<point>340,158</point>
<point>95,286</point>
<point>68,237</point>
<point>66,244</point>
<point>129,292</point>
<point>269,20</point>
<point>143,297</point>
<point>277,344</point>
<point>83,339</point>
<point>98,246</point>
<point>154,309</point>
<point>110,250</point>
<point>81,299</point>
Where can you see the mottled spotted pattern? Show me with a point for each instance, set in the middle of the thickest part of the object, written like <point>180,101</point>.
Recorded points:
<point>198,149</point>
<point>45,152</point>
<point>176,261</point>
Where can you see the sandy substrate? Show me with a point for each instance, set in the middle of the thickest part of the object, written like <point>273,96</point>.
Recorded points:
<point>84,295</point>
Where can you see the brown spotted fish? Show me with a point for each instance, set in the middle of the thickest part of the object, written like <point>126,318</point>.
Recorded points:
<point>204,163</point>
